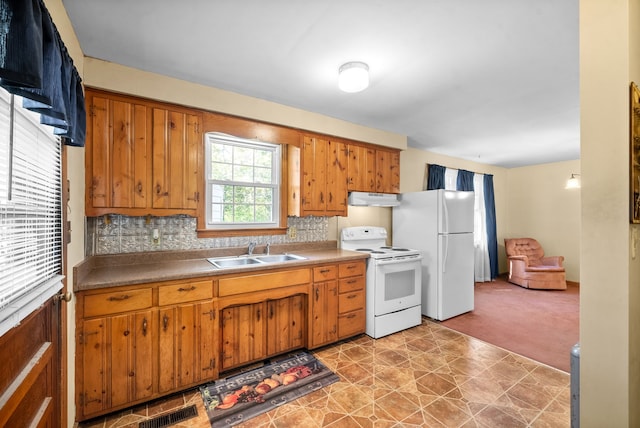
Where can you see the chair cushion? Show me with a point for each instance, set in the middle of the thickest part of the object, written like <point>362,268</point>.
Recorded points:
<point>525,247</point>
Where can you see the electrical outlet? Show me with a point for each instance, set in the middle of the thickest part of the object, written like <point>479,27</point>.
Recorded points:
<point>293,232</point>
<point>155,237</point>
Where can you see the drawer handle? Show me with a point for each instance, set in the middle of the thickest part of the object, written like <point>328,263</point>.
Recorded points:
<point>351,316</point>
<point>352,296</point>
<point>118,298</point>
<point>193,287</point>
<point>352,281</point>
<point>351,267</point>
<point>325,270</point>
<point>144,327</point>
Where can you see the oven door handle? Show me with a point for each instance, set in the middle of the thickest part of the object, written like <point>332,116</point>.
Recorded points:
<point>397,260</point>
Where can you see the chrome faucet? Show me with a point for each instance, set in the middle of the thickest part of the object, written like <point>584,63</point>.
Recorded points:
<point>252,246</point>
<point>266,248</point>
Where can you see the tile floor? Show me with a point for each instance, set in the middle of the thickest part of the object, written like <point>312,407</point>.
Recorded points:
<point>427,376</point>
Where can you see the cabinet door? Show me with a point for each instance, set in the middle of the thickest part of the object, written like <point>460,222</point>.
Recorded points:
<point>314,176</point>
<point>242,332</point>
<point>361,169</point>
<point>116,154</point>
<point>186,345</point>
<point>285,324</point>
<point>176,153</point>
<point>387,171</point>
<point>116,367</point>
<point>324,313</point>
<point>336,179</point>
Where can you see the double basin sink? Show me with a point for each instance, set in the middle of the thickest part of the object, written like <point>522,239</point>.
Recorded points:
<point>249,260</point>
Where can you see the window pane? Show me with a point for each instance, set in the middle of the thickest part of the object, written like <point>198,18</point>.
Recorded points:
<point>243,181</point>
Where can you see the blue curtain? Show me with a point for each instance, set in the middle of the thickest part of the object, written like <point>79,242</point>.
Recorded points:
<point>465,180</point>
<point>492,240</point>
<point>435,177</point>
<point>35,64</point>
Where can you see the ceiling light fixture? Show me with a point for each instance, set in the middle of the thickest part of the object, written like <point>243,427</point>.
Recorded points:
<point>573,182</point>
<point>353,76</point>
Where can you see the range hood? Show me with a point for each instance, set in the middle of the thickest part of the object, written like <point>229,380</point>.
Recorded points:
<point>364,199</point>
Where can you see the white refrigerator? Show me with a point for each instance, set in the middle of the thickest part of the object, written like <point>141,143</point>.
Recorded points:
<point>440,224</point>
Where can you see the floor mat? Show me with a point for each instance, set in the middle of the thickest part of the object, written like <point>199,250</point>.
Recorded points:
<point>236,399</point>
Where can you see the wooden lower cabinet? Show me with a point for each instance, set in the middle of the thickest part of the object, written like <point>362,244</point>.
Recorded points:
<point>242,330</point>
<point>130,350</point>
<point>137,343</point>
<point>187,345</point>
<point>256,331</point>
<point>286,324</point>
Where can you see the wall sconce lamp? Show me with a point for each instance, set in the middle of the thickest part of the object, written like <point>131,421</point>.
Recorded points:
<point>353,76</point>
<point>573,182</point>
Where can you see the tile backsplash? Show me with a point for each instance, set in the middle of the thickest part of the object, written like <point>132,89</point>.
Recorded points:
<point>117,234</point>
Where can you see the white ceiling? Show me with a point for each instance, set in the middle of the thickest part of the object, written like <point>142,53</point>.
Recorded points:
<point>492,81</point>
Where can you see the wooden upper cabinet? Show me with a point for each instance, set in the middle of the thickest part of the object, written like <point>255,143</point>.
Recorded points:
<point>361,169</point>
<point>387,171</point>
<point>141,157</point>
<point>318,178</point>
<point>116,154</point>
<point>176,147</point>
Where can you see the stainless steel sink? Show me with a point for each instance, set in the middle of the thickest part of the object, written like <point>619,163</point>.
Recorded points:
<point>278,258</point>
<point>227,262</point>
<point>240,261</point>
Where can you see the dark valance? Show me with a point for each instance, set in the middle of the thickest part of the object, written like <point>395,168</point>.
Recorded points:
<point>35,64</point>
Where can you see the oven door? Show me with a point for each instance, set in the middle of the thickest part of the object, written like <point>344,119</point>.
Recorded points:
<point>398,284</point>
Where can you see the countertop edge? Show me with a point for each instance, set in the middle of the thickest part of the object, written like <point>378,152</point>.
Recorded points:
<point>89,275</point>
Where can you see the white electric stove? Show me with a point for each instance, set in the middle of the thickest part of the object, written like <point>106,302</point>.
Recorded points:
<point>394,277</point>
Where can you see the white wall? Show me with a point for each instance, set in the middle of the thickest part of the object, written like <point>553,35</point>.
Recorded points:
<point>609,297</point>
<point>539,206</point>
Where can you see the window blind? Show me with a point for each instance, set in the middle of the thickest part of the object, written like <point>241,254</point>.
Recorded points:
<point>30,212</point>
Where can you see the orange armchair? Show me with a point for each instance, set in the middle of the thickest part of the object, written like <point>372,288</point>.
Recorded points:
<point>529,268</point>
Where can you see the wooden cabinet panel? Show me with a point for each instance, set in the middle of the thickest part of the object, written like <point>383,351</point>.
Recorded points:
<point>185,292</point>
<point>387,171</point>
<point>285,324</point>
<point>242,333</point>
<point>117,360</point>
<point>142,157</point>
<point>361,168</point>
<point>324,313</point>
<point>117,301</point>
<point>351,323</point>
<point>318,178</point>
<point>347,285</point>
<point>259,282</point>
<point>117,156</point>
<point>324,273</point>
<point>356,268</point>
<point>186,344</point>
<point>176,147</point>
<point>336,178</point>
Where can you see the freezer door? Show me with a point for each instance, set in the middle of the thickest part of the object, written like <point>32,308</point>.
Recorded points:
<point>455,211</point>
<point>455,275</point>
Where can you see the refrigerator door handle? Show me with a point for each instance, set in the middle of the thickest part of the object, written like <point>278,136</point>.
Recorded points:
<point>445,212</point>
<point>445,242</point>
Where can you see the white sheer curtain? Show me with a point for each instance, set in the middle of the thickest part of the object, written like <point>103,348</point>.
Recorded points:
<point>480,239</point>
<point>450,179</point>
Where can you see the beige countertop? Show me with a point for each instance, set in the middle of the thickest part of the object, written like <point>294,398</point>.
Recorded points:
<point>138,268</point>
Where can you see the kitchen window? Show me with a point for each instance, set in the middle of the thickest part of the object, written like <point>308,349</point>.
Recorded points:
<point>242,183</point>
<point>30,212</point>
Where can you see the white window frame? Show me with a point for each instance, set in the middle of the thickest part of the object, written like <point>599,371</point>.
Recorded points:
<point>30,212</point>
<point>276,173</point>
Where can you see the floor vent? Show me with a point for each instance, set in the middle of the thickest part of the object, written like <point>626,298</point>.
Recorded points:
<point>170,418</point>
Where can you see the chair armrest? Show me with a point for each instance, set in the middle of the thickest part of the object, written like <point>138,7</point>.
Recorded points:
<point>552,261</point>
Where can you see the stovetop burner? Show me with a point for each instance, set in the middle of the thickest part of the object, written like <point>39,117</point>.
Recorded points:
<point>371,240</point>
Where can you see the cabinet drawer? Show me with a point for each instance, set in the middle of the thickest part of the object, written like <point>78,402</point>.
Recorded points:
<point>260,282</point>
<point>352,284</point>
<point>117,301</point>
<point>351,269</point>
<point>351,323</point>
<point>324,273</point>
<point>185,292</point>
<point>350,301</point>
